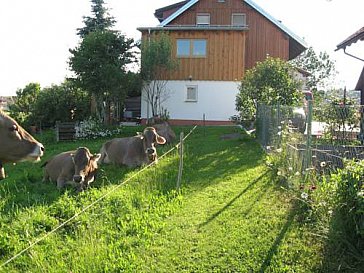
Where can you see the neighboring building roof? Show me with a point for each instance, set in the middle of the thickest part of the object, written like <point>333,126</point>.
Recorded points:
<point>359,35</point>
<point>250,3</point>
<point>360,83</point>
<point>159,12</point>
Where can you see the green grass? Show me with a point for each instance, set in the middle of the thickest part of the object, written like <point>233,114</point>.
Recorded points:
<point>230,215</point>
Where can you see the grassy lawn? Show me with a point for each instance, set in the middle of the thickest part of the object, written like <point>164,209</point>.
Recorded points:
<point>230,215</point>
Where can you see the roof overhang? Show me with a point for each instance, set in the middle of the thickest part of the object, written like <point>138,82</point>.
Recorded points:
<point>359,35</point>
<point>193,27</point>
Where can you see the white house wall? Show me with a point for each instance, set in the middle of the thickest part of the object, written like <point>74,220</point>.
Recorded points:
<point>215,99</point>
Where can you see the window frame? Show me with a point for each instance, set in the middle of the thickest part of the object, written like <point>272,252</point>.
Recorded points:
<point>195,87</point>
<point>201,15</point>
<point>191,49</point>
<point>238,14</point>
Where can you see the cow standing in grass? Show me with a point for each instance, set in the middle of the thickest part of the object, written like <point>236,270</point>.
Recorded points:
<point>77,168</point>
<point>132,151</point>
<point>16,144</point>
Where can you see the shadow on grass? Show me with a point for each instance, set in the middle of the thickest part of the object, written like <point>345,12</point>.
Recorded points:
<point>209,163</point>
<point>277,242</point>
<point>247,188</point>
<point>344,250</point>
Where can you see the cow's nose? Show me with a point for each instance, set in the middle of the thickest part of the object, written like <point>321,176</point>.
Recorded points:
<point>150,151</point>
<point>77,178</point>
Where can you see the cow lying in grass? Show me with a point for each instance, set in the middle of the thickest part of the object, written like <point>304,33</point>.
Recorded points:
<point>163,129</point>
<point>16,144</point>
<point>77,168</point>
<point>132,151</point>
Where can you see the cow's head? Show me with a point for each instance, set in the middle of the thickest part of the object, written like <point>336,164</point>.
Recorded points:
<point>85,165</point>
<point>150,138</point>
<point>16,144</point>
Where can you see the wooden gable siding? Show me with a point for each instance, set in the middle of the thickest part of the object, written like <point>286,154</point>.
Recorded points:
<point>263,37</point>
<point>225,56</point>
<point>224,61</point>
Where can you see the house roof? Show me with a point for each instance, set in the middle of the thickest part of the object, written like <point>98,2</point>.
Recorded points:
<point>190,3</point>
<point>359,35</point>
<point>159,12</point>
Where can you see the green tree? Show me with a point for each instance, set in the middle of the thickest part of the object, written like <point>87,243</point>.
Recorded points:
<point>269,82</point>
<point>156,63</point>
<point>99,63</point>
<point>23,106</point>
<point>320,67</point>
<point>64,102</point>
<point>100,60</point>
<point>134,84</point>
<point>100,20</point>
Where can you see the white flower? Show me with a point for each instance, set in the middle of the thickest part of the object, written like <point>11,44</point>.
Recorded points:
<point>290,168</point>
<point>323,164</point>
<point>304,195</point>
<point>279,150</point>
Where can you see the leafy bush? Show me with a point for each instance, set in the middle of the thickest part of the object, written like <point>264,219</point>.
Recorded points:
<point>269,82</point>
<point>350,196</point>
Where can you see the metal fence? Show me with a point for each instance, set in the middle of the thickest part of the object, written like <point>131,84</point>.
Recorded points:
<point>318,137</point>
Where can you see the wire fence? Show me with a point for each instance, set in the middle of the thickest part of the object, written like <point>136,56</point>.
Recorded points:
<point>316,137</point>
<point>113,189</point>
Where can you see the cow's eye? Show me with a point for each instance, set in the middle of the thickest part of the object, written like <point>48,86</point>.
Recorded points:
<point>13,128</point>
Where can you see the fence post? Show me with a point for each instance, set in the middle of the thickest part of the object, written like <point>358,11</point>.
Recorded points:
<point>180,161</point>
<point>279,127</point>
<point>204,124</point>
<point>309,136</point>
<point>264,125</point>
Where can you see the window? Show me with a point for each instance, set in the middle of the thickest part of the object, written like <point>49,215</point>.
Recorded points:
<point>238,19</point>
<point>183,47</point>
<point>191,94</point>
<point>203,19</point>
<point>199,48</point>
<point>191,47</point>
<point>221,1</point>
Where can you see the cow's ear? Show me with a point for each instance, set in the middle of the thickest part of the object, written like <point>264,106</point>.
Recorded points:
<point>96,157</point>
<point>161,140</point>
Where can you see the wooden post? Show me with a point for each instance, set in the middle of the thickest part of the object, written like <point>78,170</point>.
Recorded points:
<point>180,161</point>
<point>309,136</point>
<point>204,124</point>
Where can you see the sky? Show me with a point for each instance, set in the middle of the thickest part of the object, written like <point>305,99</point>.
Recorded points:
<point>36,35</point>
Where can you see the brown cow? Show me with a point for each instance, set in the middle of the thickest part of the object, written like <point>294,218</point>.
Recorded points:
<point>132,151</point>
<point>77,168</point>
<point>16,144</point>
<point>164,129</point>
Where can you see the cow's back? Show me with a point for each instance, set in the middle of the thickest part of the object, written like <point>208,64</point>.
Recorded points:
<point>60,165</point>
<point>124,151</point>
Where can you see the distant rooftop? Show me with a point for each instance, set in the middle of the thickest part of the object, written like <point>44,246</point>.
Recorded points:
<point>359,35</point>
